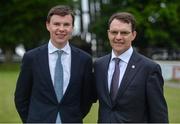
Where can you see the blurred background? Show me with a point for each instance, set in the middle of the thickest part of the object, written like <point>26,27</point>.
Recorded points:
<point>22,27</point>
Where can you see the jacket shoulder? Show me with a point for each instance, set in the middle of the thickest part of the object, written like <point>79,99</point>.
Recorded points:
<point>102,58</point>
<point>33,52</point>
<point>36,50</point>
<point>146,62</point>
<point>80,52</point>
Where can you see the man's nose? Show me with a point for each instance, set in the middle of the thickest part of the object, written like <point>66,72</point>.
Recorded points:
<point>61,27</point>
<point>119,36</point>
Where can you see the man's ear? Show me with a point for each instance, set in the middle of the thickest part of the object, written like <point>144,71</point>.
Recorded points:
<point>47,25</point>
<point>134,33</point>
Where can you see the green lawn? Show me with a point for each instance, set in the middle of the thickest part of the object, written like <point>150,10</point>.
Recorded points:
<point>173,100</point>
<point>8,77</point>
<point>7,86</point>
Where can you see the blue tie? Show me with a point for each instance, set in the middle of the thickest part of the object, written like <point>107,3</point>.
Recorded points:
<point>58,77</point>
<point>58,81</point>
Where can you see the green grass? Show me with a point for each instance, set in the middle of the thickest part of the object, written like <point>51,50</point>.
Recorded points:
<point>172,96</point>
<point>8,77</point>
<point>92,115</point>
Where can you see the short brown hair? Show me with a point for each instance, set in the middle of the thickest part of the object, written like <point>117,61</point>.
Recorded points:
<point>61,10</point>
<point>124,17</point>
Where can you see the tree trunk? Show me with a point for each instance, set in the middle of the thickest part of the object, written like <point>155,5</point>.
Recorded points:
<point>8,55</point>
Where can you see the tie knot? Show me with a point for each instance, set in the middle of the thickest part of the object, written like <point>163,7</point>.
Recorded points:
<point>59,52</point>
<point>117,60</point>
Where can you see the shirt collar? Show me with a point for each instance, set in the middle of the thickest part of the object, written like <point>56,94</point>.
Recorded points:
<point>52,48</point>
<point>124,56</point>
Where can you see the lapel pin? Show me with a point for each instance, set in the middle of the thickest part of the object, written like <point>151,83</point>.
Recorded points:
<point>133,66</point>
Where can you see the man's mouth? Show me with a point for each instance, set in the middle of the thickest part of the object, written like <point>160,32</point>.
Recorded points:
<point>118,43</point>
<point>60,35</point>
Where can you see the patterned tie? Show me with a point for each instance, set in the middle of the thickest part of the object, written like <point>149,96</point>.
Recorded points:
<point>58,81</point>
<point>58,77</point>
<point>115,80</point>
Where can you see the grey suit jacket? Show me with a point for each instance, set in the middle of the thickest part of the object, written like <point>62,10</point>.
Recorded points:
<point>140,97</point>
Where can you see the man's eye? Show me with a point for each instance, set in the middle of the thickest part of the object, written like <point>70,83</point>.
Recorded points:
<point>125,32</point>
<point>66,24</point>
<point>114,32</point>
<point>57,24</point>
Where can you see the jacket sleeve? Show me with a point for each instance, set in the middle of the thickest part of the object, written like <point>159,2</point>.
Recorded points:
<point>23,88</point>
<point>89,90</point>
<point>157,106</point>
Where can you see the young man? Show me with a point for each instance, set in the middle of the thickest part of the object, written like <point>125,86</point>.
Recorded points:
<point>54,85</point>
<point>129,85</point>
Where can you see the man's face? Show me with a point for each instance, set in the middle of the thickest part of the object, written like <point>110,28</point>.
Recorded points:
<point>60,29</point>
<point>120,36</point>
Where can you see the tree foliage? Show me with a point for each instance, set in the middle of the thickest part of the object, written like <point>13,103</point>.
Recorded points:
<point>157,22</point>
<point>24,22</point>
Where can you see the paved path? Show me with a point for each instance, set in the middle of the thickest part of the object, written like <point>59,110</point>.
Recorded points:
<point>172,84</point>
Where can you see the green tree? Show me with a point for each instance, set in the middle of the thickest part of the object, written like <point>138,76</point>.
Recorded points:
<point>157,22</point>
<point>24,22</point>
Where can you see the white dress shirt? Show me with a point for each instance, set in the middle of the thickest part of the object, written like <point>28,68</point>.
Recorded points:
<point>124,59</point>
<point>65,59</point>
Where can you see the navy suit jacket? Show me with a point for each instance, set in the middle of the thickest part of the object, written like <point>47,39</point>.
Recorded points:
<point>140,95</point>
<point>35,98</point>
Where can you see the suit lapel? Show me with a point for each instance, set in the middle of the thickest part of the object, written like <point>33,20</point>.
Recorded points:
<point>44,66</point>
<point>130,72</point>
<point>105,66</point>
<point>74,66</point>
